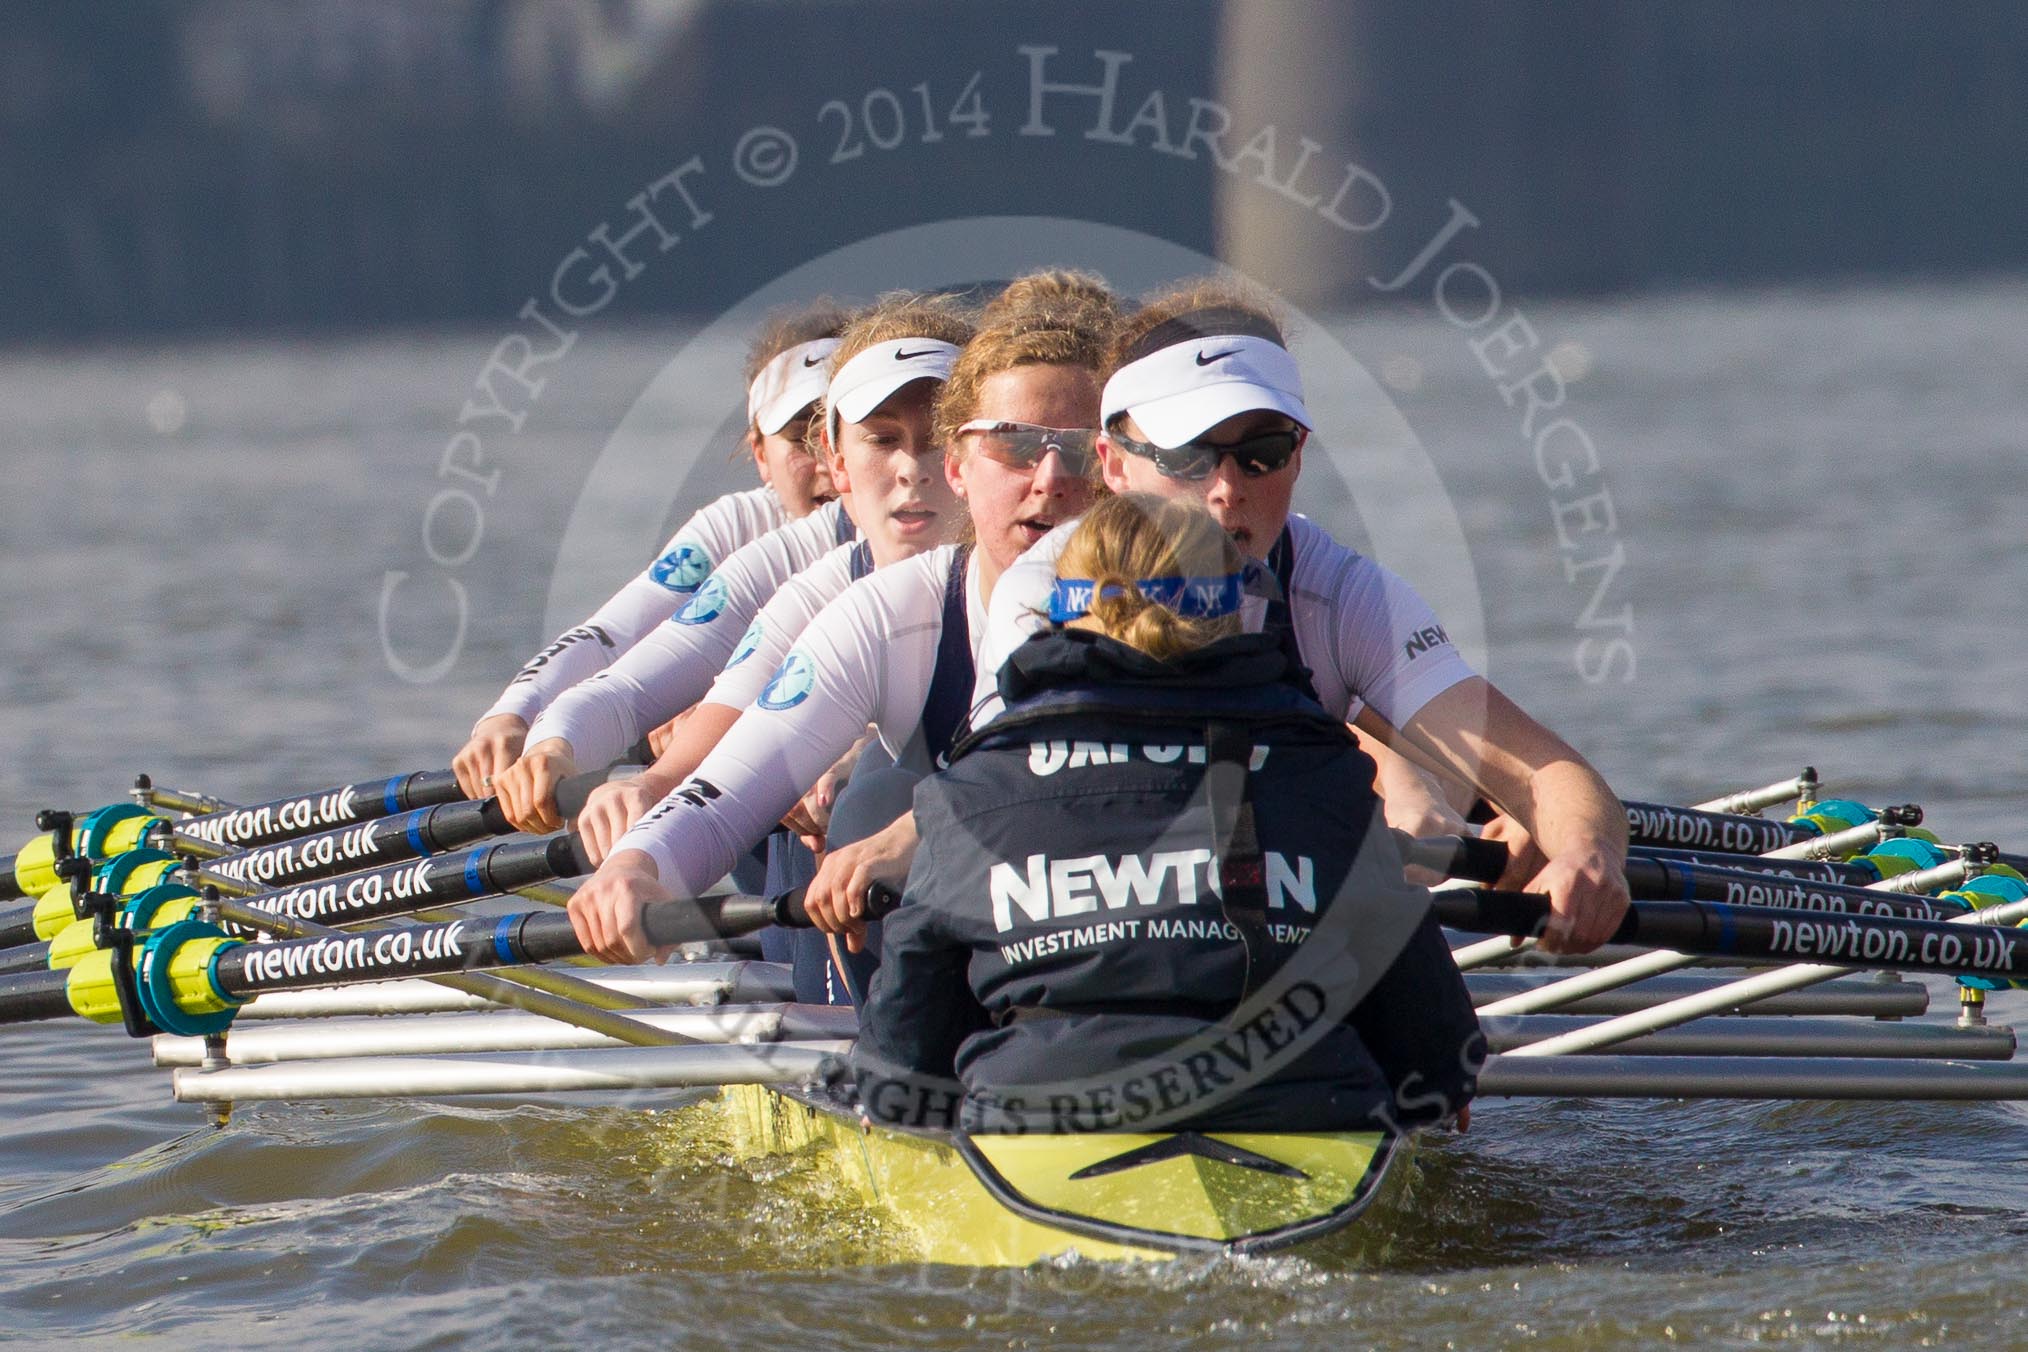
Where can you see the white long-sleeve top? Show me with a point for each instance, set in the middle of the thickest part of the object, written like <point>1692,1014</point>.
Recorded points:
<point>710,537</point>
<point>766,643</point>
<point>1365,634</point>
<point>869,657</point>
<point>672,667</point>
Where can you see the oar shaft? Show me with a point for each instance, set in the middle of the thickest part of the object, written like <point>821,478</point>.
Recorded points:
<point>1747,991</point>
<point>549,994</point>
<point>29,957</point>
<point>458,945</point>
<point>351,848</point>
<point>1678,879</point>
<point>1662,824</point>
<point>28,997</point>
<point>1716,930</point>
<point>1666,880</point>
<point>1732,833</point>
<point>306,814</point>
<point>190,974</point>
<point>401,888</point>
<point>17,926</point>
<point>222,829</point>
<point>1850,874</point>
<point>437,880</point>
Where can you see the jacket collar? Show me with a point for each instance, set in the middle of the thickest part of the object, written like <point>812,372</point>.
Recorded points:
<point>1080,658</point>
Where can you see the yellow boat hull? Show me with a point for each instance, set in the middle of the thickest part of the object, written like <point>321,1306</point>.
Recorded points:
<point>1001,1201</point>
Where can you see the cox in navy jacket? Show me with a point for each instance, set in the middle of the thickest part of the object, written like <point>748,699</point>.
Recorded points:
<point>1159,895</point>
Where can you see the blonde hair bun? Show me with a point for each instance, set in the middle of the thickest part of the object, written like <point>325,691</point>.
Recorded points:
<point>1124,539</point>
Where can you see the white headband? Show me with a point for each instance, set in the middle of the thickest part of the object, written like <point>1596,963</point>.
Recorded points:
<point>864,383</point>
<point>788,384</point>
<point>1181,391</point>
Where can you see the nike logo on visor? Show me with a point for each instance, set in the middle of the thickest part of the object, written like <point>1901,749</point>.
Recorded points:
<point>813,361</point>
<point>1206,358</point>
<point>899,355</point>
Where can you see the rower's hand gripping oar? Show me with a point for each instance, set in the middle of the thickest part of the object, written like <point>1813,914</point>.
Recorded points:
<point>191,977</point>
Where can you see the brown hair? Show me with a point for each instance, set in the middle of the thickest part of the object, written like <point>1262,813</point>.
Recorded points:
<point>1073,297</point>
<point>792,327</point>
<point>1204,307</point>
<point>1033,338</point>
<point>897,314</point>
<point>904,314</point>
<point>1138,535</point>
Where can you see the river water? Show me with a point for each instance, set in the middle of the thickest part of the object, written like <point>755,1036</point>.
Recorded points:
<point>1811,495</point>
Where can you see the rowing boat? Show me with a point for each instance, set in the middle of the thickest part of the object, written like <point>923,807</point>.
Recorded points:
<point>1009,1201</point>
<point>1000,1200</point>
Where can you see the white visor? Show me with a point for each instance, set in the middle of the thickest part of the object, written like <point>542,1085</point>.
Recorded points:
<point>790,383</point>
<point>1182,391</point>
<point>864,383</point>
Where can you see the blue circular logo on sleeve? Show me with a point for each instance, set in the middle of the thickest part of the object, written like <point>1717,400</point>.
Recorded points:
<point>682,568</point>
<point>705,606</point>
<point>748,641</point>
<point>791,684</point>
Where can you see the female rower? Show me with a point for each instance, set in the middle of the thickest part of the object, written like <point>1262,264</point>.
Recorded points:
<point>785,373</point>
<point>1166,933</point>
<point>1204,402</point>
<point>877,443</point>
<point>1050,299</point>
<point>1018,419</point>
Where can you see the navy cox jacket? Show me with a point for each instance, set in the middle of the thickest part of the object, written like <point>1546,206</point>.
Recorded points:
<point>1153,896</point>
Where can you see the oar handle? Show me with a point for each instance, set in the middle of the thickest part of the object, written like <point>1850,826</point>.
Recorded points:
<point>1487,910</point>
<point>727,917</point>
<point>880,902</point>
<point>1468,857</point>
<point>573,793</point>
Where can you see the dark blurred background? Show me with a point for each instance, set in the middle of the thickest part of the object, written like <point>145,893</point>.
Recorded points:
<point>181,166</point>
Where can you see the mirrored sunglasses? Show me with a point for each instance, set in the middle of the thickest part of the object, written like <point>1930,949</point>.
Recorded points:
<point>1021,445</point>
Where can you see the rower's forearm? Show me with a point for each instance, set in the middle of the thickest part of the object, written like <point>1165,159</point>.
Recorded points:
<point>695,738</point>
<point>590,720</point>
<point>1410,796</point>
<point>1572,811</point>
<point>575,655</point>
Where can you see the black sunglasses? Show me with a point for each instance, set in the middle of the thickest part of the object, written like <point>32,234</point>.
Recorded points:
<point>1262,453</point>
